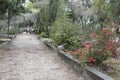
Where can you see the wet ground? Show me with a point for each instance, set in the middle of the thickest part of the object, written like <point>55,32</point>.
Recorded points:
<point>27,58</point>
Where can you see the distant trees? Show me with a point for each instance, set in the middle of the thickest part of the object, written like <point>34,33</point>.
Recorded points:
<point>94,12</point>
<point>15,6</point>
<point>89,14</point>
<point>47,15</point>
<point>11,8</point>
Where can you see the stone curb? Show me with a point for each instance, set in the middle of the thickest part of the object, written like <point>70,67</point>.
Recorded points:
<point>4,44</point>
<point>50,46</point>
<point>89,73</point>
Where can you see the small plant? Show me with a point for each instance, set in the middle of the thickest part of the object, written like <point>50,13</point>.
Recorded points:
<point>65,32</point>
<point>13,30</point>
<point>73,43</point>
<point>78,54</point>
<point>43,34</point>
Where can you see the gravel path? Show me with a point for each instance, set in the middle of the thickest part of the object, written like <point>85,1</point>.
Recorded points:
<point>27,58</point>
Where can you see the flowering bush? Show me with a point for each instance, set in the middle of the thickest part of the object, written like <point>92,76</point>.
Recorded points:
<point>102,45</point>
<point>105,46</point>
<point>79,54</point>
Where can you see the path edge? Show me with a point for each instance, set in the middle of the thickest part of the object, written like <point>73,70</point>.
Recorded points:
<point>89,73</point>
<point>4,44</point>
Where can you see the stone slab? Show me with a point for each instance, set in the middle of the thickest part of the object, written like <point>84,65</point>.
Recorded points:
<point>89,73</point>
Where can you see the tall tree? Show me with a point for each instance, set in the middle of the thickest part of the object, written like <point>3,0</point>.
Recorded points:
<point>47,15</point>
<point>12,8</point>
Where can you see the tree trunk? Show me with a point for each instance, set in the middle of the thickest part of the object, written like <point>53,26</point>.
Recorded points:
<point>8,22</point>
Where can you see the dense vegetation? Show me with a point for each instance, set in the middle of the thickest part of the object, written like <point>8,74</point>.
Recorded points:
<point>10,9</point>
<point>72,23</point>
<point>88,30</point>
<point>47,16</point>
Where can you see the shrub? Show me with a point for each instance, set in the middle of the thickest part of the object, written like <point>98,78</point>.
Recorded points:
<point>103,45</point>
<point>13,30</point>
<point>43,34</point>
<point>73,43</point>
<point>65,32</point>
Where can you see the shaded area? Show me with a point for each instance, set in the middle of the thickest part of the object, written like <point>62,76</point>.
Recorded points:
<point>28,59</point>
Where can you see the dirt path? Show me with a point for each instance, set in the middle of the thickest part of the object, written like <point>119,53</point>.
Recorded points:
<point>29,59</point>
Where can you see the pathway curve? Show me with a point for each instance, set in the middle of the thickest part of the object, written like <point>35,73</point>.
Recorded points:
<point>27,58</point>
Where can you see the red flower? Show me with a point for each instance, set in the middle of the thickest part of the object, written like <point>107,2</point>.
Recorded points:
<point>107,32</point>
<point>92,35</point>
<point>117,50</point>
<point>87,45</point>
<point>91,59</point>
<point>113,55</point>
<point>110,42</point>
<point>104,29</point>
<point>102,54</point>
<point>110,32</point>
<point>112,49</point>
<point>85,42</point>
<point>79,51</point>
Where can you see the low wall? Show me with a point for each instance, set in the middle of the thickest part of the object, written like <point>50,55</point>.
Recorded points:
<point>89,73</point>
<point>4,44</point>
<point>49,45</point>
<point>93,74</point>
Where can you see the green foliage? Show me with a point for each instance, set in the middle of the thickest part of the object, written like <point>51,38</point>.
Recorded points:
<point>12,8</point>
<point>115,10</point>
<point>47,16</point>
<point>43,34</point>
<point>3,6</point>
<point>60,32</point>
<point>43,20</point>
<point>13,30</point>
<point>31,5</point>
<point>105,45</point>
<point>63,31</point>
<point>32,0</point>
<point>69,15</point>
<point>13,5</point>
<point>73,43</point>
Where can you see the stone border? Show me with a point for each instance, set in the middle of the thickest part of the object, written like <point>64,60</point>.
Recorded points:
<point>50,46</point>
<point>12,36</point>
<point>4,44</point>
<point>89,73</point>
<point>93,74</point>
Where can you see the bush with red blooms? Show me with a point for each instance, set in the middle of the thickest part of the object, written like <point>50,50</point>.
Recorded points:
<point>103,44</point>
